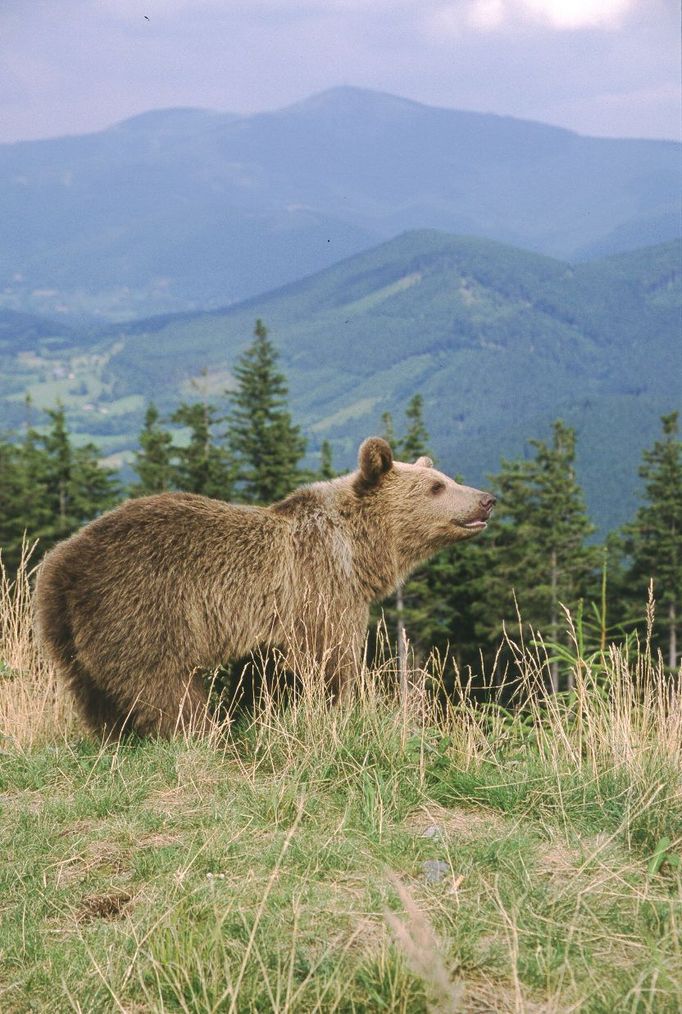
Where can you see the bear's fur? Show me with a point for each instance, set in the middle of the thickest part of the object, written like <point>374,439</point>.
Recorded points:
<point>130,607</point>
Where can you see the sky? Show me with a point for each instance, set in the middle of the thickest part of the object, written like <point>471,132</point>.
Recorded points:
<point>601,67</point>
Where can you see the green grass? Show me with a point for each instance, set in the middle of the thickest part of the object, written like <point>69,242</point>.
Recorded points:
<point>279,865</point>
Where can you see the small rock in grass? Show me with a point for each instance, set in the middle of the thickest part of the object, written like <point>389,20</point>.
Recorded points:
<point>432,831</point>
<point>435,870</point>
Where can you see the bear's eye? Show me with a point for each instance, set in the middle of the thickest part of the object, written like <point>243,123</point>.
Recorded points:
<point>437,487</point>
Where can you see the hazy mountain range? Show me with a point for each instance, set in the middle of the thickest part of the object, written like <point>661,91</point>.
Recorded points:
<point>498,340</point>
<point>187,209</point>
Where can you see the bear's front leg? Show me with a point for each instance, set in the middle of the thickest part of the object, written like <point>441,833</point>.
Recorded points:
<point>330,651</point>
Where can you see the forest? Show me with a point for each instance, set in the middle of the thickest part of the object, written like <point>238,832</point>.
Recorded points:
<point>491,821</point>
<point>537,570</point>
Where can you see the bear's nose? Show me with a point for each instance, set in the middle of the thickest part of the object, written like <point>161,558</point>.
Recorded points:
<point>488,502</point>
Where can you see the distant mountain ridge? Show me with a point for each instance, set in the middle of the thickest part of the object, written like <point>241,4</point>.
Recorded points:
<point>187,209</point>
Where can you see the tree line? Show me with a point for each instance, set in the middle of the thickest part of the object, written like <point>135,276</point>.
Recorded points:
<point>537,559</point>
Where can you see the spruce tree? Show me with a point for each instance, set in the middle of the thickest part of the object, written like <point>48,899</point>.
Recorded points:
<point>202,465</point>
<point>536,553</point>
<point>326,470</point>
<point>153,459</point>
<point>77,487</point>
<point>13,499</point>
<point>655,536</point>
<point>563,527</point>
<point>267,446</point>
<point>59,473</point>
<point>415,443</point>
<point>49,488</point>
<point>24,510</point>
<point>95,488</point>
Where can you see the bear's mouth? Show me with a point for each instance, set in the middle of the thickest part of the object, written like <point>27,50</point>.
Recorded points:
<point>475,526</point>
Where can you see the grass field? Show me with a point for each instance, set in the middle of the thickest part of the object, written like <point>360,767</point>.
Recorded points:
<point>372,856</point>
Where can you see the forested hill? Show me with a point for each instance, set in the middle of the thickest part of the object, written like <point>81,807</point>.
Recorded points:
<point>498,341</point>
<point>188,209</point>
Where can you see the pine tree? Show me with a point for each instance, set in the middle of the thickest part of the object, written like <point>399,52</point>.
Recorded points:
<point>59,472</point>
<point>13,499</point>
<point>153,460</point>
<point>449,621</point>
<point>202,466</point>
<point>268,447</point>
<point>95,488</point>
<point>415,443</point>
<point>655,536</point>
<point>388,432</point>
<point>24,510</point>
<point>77,487</point>
<point>563,526</point>
<point>49,488</point>
<point>326,470</point>
<point>537,557</point>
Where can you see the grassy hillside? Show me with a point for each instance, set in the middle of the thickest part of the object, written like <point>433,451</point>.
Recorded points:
<point>187,209</point>
<point>499,342</point>
<point>379,855</point>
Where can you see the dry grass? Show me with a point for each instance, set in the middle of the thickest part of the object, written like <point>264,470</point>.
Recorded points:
<point>33,708</point>
<point>278,864</point>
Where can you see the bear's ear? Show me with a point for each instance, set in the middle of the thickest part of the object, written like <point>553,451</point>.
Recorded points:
<point>424,462</point>
<point>374,460</point>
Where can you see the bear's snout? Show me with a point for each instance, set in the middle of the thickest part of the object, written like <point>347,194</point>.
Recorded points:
<point>488,501</point>
<point>479,514</point>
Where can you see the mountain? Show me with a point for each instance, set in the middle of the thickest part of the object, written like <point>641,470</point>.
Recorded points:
<point>188,209</point>
<point>19,331</point>
<point>499,342</point>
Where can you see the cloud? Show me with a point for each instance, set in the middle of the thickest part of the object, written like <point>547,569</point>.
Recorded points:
<point>486,14</point>
<point>571,14</point>
<point>458,17</point>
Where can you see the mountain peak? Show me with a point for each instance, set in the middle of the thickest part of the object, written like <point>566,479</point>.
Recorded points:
<point>351,99</point>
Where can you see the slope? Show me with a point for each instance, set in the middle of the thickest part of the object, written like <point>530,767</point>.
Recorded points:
<point>499,342</point>
<point>187,209</point>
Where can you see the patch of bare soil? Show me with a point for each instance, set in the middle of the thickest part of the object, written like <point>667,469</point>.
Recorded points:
<point>104,906</point>
<point>458,822</point>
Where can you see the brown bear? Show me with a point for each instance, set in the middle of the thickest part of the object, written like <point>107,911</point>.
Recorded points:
<point>133,605</point>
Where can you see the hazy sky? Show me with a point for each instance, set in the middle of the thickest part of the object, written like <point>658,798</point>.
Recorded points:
<point>605,67</point>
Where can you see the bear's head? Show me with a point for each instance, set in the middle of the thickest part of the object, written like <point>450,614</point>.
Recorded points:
<point>423,509</point>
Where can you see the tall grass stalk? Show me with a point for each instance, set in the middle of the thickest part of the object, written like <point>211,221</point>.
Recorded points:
<point>33,709</point>
<point>277,863</point>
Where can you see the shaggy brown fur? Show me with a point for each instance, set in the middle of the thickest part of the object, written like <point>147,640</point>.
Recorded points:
<point>134,603</point>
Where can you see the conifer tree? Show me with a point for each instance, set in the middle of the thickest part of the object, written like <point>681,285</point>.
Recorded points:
<point>202,466</point>
<point>388,432</point>
<point>13,499</point>
<point>267,446</point>
<point>655,536</point>
<point>415,443</point>
<point>24,511</point>
<point>77,487</point>
<point>153,459</point>
<point>49,488</point>
<point>326,470</point>
<point>537,555</point>
<point>59,472</point>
